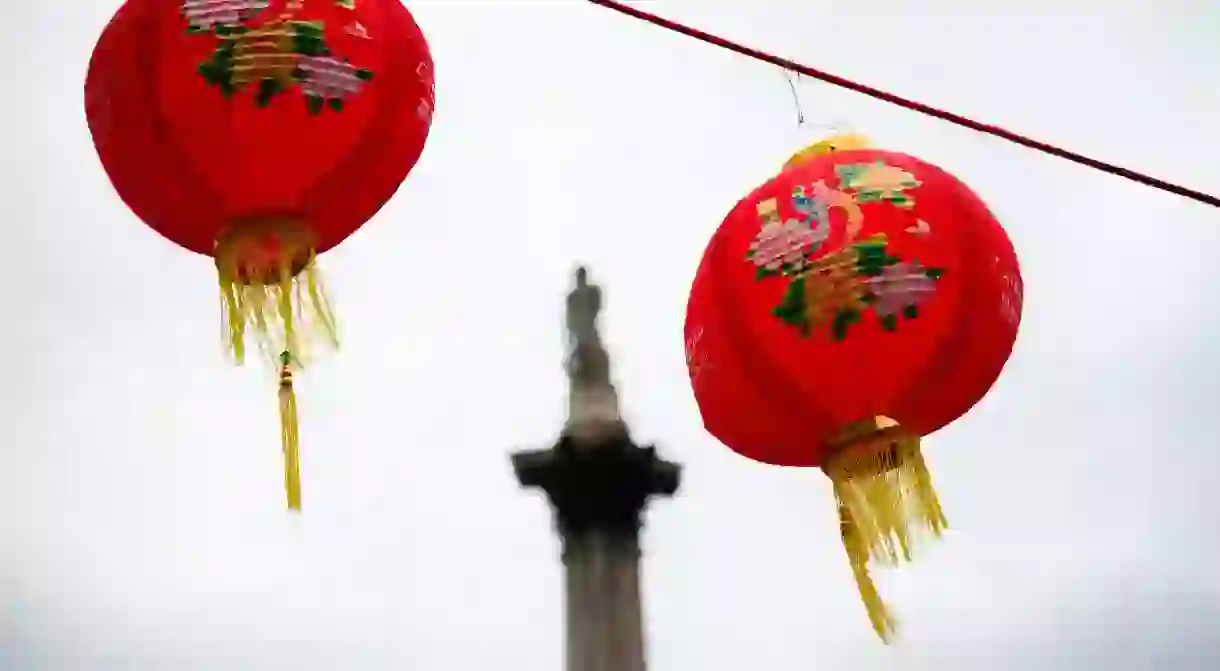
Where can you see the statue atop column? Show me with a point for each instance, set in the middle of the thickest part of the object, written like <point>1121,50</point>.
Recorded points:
<point>593,411</point>
<point>588,363</point>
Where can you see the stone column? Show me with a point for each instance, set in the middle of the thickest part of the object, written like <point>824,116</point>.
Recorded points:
<point>598,493</point>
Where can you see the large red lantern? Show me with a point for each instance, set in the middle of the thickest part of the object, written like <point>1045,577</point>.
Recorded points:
<point>261,133</point>
<point>857,301</point>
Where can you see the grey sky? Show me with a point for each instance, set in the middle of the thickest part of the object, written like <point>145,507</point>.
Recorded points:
<point>141,517</point>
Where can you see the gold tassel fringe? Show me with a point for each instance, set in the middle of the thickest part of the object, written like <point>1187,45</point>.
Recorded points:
<point>290,435</point>
<point>885,496</point>
<point>270,288</point>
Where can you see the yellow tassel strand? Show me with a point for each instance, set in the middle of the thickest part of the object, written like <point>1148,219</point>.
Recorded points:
<point>271,289</point>
<point>857,552</point>
<point>885,496</point>
<point>290,435</point>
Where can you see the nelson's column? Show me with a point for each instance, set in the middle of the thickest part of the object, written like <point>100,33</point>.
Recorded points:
<point>598,482</point>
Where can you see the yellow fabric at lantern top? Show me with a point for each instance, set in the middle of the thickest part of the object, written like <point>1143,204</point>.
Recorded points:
<point>842,142</point>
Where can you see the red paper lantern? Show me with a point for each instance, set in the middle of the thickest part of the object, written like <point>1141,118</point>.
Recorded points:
<point>261,133</point>
<point>857,301</point>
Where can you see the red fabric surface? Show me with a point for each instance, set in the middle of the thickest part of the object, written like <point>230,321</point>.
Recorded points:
<point>188,161</point>
<point>776,396</point>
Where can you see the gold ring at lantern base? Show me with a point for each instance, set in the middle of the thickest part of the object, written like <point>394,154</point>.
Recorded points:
<point>257,250</point>
<point>271,288</point>
<point>885,495</point>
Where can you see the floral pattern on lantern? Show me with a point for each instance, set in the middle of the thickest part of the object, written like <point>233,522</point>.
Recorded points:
<point>837,289</point>
<point>204,15</point>
<point>274,55</point>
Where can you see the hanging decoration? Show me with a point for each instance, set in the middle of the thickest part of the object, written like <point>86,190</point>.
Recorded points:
<point>262,133</point>
<point>857,301</point>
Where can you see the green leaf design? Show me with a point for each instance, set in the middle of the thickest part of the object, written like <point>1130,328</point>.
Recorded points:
<point>267,89</point>
<point>848,174</point>
<point>315,103</point>
<point>934,273</point>
<point>208,72</point>
<point>762,273</point>
<point>308,38</point>
<point>871,258</point>
<point>793,308</point>
<point>218,70</point>
<point>843,319</point>
<point>335,104</point>
<point>889,322</point>
<point>364,75</point>
<point>910,311</point>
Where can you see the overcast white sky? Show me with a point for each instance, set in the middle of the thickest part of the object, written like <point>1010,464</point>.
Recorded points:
<point>142,524</point>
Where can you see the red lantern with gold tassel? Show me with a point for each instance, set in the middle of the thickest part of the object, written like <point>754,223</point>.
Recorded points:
<point>856,302</point>
<point>261,133</point>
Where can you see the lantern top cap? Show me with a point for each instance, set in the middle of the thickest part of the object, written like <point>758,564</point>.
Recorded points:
<point>837,142</point>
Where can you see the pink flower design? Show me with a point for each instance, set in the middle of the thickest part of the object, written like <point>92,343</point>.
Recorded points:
<point>205,14</point>
<point>900,286</point>
<point>783,245</point>
<point>327,77</point>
